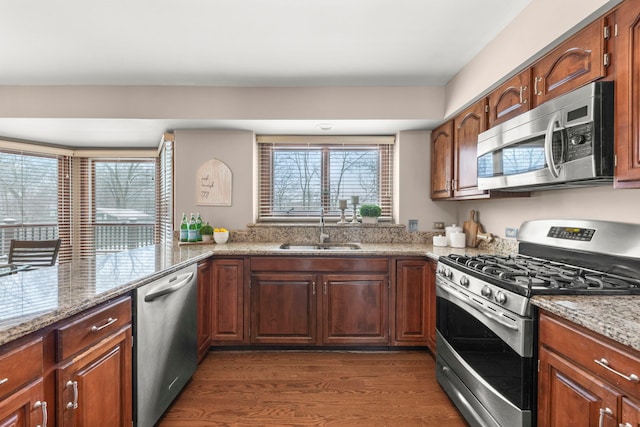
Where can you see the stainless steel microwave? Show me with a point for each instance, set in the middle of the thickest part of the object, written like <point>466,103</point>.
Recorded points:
<point>565,142</point>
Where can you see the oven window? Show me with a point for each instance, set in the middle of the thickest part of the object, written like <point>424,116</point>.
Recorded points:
<point>493,360</point>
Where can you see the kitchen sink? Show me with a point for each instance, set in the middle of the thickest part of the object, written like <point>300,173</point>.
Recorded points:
<point>320,246</point>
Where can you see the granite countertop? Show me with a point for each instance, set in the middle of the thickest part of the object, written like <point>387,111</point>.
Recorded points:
<point>615,317</point>
<point>32,300</point>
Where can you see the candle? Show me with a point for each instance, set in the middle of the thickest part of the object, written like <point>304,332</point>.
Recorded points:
<point>343,203</point>
<point>355,200</point>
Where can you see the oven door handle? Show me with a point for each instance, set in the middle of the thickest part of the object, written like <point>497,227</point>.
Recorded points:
<point>464,300</point>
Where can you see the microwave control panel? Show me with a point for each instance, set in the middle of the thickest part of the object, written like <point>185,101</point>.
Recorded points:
<point>579,141</point>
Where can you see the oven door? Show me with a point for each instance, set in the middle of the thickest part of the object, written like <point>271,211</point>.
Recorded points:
<point>490,382</point>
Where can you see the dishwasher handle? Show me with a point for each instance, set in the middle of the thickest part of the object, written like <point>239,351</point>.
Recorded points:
<point>169,289</point>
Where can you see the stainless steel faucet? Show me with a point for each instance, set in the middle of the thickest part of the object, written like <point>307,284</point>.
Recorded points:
<point>323,236</point>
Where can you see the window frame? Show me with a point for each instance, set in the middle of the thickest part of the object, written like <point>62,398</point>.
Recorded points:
<point>268,145</point>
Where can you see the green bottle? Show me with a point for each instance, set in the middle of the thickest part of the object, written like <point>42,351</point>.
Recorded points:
<point>192,233</point>
<point>184,229</point>
<point>198,226</point>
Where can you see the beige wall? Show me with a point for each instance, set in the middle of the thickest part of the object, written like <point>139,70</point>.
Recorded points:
<point>235,149</point>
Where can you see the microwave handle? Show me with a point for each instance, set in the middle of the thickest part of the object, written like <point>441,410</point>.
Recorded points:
<point>548,146</point>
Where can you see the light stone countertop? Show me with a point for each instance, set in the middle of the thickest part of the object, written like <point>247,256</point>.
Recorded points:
<point>32,300</point>
<point>615,317</point>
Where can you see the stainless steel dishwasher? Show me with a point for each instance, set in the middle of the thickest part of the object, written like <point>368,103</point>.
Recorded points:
<point>165,342</point>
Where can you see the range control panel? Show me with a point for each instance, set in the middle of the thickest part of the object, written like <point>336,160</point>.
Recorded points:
<point>572,233</point>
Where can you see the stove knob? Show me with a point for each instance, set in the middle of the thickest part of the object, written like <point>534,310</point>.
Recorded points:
<point>486,291</point>
<point>464,281</point>
<point>500,297</point>
<point>448,273</point>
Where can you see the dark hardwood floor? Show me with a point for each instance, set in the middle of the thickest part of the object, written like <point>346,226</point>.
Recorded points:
<point>297,388</point>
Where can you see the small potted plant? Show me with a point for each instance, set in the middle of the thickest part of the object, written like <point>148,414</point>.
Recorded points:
<point>207,232</point>
<point>220,235</point>
<point>370,213</point>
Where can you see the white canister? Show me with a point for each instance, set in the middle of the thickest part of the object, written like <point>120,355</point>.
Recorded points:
<point>458,240</point>
<point>439,240</point>
<point>451,229</point>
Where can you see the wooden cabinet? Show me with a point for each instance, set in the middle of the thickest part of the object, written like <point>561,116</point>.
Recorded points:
<point>442,161</point>
<point>229,324</point>
<point>22,397</point>
<point>585,379</point>
<point>413,289</point>
<point>466,128</point>
<point>355,309</point>
<point>95,387</point>
<point>284,308</point>
<point>627,95</point>
<point>510,99</point>
<point>204,308</point>
<point>581,59</point>
<point>94,375</point>
<point>319,301</point>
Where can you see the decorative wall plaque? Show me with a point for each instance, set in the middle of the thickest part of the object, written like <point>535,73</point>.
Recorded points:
<point>213,184</point>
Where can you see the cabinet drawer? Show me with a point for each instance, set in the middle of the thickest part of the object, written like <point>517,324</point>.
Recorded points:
<point>92,326</point>
<point>20,365</point>
<point>586,347</point>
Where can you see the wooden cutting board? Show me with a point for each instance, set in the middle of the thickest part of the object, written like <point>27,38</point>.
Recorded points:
<point>470,229</point>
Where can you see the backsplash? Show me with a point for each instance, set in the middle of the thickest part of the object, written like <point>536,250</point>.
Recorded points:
<point>367,233</point>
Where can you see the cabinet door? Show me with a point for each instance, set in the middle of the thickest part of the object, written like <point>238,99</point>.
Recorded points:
<point>467,126</point>
<point>25,407</point>
<point>355,309</point>
<point>569,396</point>
<point>228,314</point>
<point>510,99</point>
<point>411,325</point>
<point>204,308</point>
<point>442,161</point>
<point>627,95</point>
<point>630,413</point>
<point>574,63</point>
<point>284,309</point>
<point>94,388</point>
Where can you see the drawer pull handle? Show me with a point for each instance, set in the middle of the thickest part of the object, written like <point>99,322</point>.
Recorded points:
<point>4,380</point>
<point>43,406</point>
<point>605,364</point>
<point>603,412</point>
<point>74,404</point>
<point>110,321</point>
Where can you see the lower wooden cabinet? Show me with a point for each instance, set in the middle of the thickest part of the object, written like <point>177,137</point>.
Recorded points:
<point>25,407</point>
<point>320,301</point>
<point>575,387</point>
<point>413,290</point>
<point>94,388</point>
<point>229,322</point>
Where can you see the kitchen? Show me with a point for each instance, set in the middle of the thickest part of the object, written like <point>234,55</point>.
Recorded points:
<point>235,147</point>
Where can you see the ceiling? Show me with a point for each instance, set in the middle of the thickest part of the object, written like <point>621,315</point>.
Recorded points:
<point>235,43</point>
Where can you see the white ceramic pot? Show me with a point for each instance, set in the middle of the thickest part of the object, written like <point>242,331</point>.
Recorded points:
<point>457,240</point>
<point>369,219</point>
<point>221,236</point>
<point>207,237</point>
<point>450,230</point>
<point>439,240</point>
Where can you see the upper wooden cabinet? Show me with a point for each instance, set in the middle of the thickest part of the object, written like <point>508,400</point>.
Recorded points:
<point>510,99</point>
<point>627,95</point>
<point>442,161</point>
<point>579,60</point>
<point>466,128</point>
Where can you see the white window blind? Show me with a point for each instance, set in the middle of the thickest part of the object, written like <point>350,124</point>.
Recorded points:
<point>299,180</point>
<point>165,195</point>
<point>35,194</point>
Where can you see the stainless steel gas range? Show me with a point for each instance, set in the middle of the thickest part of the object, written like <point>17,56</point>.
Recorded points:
<point>487,327</point>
